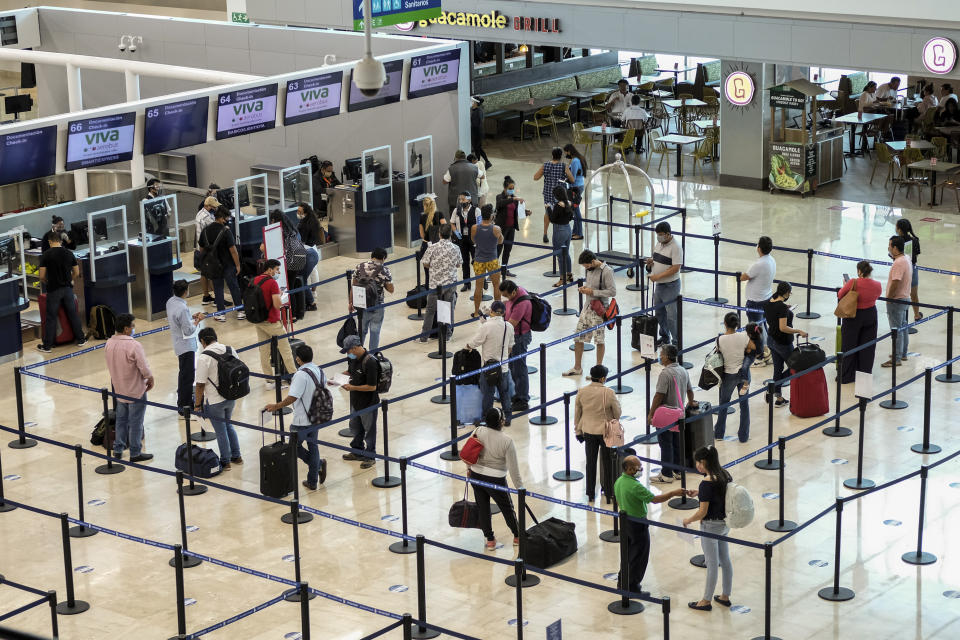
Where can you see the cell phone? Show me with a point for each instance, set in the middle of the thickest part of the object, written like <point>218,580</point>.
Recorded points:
<point>846,278</point>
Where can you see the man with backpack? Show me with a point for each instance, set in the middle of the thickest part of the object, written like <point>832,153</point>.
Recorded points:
<point>598,288</point>
<point>312,405</point>
<point>183,330</point>
<point>131,377</point>
<point>375,278</point>
<point>262,305</point>
<point>443,259</point>
<point>220,262</point>
<point>519,313</point>
<point>221,379</point>
<point>364,372</point>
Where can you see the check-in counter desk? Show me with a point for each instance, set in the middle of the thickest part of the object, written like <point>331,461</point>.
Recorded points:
<point>11,304</point>
<point>153,265</point>
<point>112,284</point>
<point>250,237</point>
<point>359,231</point>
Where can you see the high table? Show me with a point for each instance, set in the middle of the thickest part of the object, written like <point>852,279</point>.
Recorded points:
<point>682,105</point>
<point>679,140</point>
<point>851,120</point>
<point>604,132</point>
<point>934,169</point>
<point>582,94</point>
<point>528,106</point>
<point>900,145</point>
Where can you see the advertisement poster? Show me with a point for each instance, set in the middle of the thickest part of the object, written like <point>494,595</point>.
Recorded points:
<point>787,98</point>
<point>790,166</point>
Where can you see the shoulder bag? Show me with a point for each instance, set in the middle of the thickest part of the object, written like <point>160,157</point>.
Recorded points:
<point>712,373</point>
<point>612,429</point>
<point>847,306</point>
<point>463,513</point>
<point>492,376</point>
<point>667,415</point>
<point>471,450</point>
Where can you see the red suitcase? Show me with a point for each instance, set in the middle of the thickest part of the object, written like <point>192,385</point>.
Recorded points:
<point>808,395</point>
<point>64,330</point>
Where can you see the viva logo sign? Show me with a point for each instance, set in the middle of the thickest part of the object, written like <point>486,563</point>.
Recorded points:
<point>435,70</point>
<point>248,107</point>
<point>100,137</point>
<point>314,94</point>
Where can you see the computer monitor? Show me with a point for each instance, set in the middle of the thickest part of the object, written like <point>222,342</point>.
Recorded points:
<point>155,218</point>
<point>18,104</point>
<point>226,198</point>
<point>80,231</point>
<point>351,170</point>
<point>8,249</point>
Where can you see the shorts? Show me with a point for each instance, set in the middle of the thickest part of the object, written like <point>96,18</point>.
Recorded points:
<point>588,319</point>
<point>916,275</point>
<point>480,268</point>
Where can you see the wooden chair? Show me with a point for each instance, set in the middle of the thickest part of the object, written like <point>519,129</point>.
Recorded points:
<point>901,179</point>
<point>626,144</point>
<point>561,114</point>
<point>654,147</point>
<point>703,151</point>
<point>597,108</point>
<point>541,119</point>
<point>579,137</point>
<point>884,156</point>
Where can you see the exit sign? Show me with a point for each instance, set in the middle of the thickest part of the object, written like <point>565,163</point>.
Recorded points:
<point>239,16</point>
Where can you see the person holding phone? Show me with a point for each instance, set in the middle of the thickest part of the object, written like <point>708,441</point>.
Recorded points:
<point>780,330</point>
<point>862,328</point>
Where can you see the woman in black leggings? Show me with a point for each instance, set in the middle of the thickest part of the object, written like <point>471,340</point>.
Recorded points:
<point>499,456</point>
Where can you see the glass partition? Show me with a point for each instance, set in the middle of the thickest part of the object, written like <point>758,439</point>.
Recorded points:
<point>419,180</point>
<point>107,235</point>
<point>159,221</point>
<point>250,200</point>
<point>377,171</point>
<point>11,259</point>
<point>296,186</point>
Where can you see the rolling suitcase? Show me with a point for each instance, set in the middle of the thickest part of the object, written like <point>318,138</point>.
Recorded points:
<point>278,463</point>
<point>64,330</point>
<point>698,429</point>
<point>808,395</point>
<point>294,343</point>
<point>643,324</point>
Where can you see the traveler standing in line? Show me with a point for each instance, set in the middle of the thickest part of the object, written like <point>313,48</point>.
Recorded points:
<point>476,131</point>
<point>499,456</point>
<point>780,331</point>
<point>598,287</point>
<point>733,346</point>
<point>297,256</point>
<point>364,376</point>
<point>487,239</point>
<point>209,401</point>
<point>898,292</point>
<point>633,498</point>
<point>560,215</point>
<point>311,235</point>
<point>552,172</point>
<point>183,332</point>
<point>911,248</point>
<point>462,219</point>
<point>595,405</point>
<point>130,376</point>
<point>217,237</point>
<point>673,377</point>
<point>578,168</point>
<point>712,515</point>
<point>430,222</point>
<point>205,217</point>
<point>862,328</point>
<point>307,379</point>
<point>507,219</point>
<point>460,176</point>
<point>494,339</point>
<point>483,187</point>
<point>759,278</point>
<point>518,314</point>
<point>443,259</point>
<point>377,275</point>
<point>58,270</point>
<point>664,269</point>
<point>267,282</point>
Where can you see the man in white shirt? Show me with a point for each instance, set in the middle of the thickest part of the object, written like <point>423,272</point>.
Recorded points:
<point>494,338</point>
<point>759,278</point>
<point>888,90</point>
<point>204,218</point>
<point>619,99</point>
<point>218,409</point>
<point>635,117</point>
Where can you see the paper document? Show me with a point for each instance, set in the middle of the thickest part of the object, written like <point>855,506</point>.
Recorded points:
<point>688,535</point>
<point>340,379</point>
<point>360,297</point>
<point>647,349</point>
<point>444,312</point>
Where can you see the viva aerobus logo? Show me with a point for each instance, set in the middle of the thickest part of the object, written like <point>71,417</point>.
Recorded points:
<point>314,94</point>
<point>435,69</point>
<point>246,108</point>
<point>101,138</point>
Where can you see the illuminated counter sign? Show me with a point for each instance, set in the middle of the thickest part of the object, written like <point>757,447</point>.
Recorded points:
<point>739,88</point>
<point>312,98</point>
<point>28,155</point>
<point>939,55</point>
<point>389,12</point>
<point>246,111</point>
<point>175,125</point>
<point>97,141</point>
<point>434,73</point>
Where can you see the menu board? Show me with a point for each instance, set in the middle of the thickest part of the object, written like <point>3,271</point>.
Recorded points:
<point>28,155</point>
<point>434,73</point>
<point>246,111</point>
<point>97,141</point>
<point>389,92</point>
<point>175,125</point>
<point>313,97</point>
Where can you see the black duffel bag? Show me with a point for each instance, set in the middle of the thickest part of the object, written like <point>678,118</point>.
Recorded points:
<point>549,542</point>
<point>804,356</point>
<point>464,514</point>
<point>206,463</point>
<point>417,303</point>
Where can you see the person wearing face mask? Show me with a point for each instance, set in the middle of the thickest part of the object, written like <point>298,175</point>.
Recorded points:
<point>561,214</point>
<point>311,235</point>
<point>131,377</point>
<point>323,180</point>
<point>595,404</point>
<point>462,221</point>
<point>898,293</point>
<point>598,286</point>
<point>507,219</point>
<point>364,374</point>
<point>673,384</point>
<point>57,227</point>
<point>578,168</point>
<point>212,189</point>
<point>205,217</point>
<point>759,278</point>
<point>154,189</point>
<point>779,327</point>
<point>664,269</point>
<point>267,282</point>
<point>483,187</point>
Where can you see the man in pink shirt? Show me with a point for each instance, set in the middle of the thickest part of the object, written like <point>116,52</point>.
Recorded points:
<point>131,377</point>
<point>898,294</point>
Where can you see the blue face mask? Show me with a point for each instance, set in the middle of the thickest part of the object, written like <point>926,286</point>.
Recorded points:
<point>351,356</point>
<point>510,192</point>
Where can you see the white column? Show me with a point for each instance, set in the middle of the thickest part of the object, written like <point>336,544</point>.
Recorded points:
<point>137,177</point>
<point>75,97</point>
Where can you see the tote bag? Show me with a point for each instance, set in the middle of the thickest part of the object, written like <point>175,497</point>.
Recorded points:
<point>847,306</point>
<point>665,415</point>
<point>612,430</point>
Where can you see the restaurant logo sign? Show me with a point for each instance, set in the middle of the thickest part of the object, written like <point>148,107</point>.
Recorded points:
<point>490,20</point>
<point>739,88</point>
<point>939,55</point>
<point>787,98</point>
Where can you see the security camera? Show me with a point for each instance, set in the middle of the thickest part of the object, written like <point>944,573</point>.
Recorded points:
<point>369,76</point>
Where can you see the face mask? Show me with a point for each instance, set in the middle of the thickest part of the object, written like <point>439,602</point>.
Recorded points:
<point>275,276</point>
<point>661,238</point>
<point>510,192</point>
<point>589,268</point>
<point>351,356</point>
<point>890,255</point>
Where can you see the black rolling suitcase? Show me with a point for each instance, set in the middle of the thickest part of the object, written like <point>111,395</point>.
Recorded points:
<point>610,469</point>
<point>549,542</point>
<point>644,324</point>
<point>277,467</point>
<point>698,429</point>
<point>294,343</point>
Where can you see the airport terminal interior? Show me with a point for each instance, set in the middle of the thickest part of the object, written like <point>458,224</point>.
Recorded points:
<point>127,121</point>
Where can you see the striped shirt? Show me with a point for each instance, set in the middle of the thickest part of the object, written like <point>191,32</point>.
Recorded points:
<point>664,257</point>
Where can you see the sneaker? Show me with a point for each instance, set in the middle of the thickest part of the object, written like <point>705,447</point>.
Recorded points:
<point>83,342</point>
<point>143,457</point>
<point>44,348</point>
<point>487,164</point>
<point>573,372</point>
<point>118,455</point>
<point>519,406</point>
<point>283,384</point>
<point>224,466</point>
<point>241,315</point>
<point>367,463</point>
<point>662,479</point>
<point>490,545</point>
<point>352,457</point>
<point>781,401</point>
<point>311,487</point>
<point>220,318</point>
<point>237,460</point>
<point>465,287</point>
<point>759,362</point>
<point>511,274</point>
<point>208,300</point>
<point>312,307</point>
<point>423,339</point>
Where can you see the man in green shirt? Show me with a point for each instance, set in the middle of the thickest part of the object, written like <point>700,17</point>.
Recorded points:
<point>633,498</point>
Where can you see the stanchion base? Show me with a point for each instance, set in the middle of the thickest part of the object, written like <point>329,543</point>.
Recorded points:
<point>621,390</point>
<point>768,465</point>
<point>766,638</point>
<point>486,297</point>
<point>293,595</point>
<point>551,274</point>
<point>774,525</point>
<point>26,444</point>
<point>634,287</point>
<point>426,634</point>
<point>841,595</point>
<point>107,470</point>
<point>919,448</point>
<point>834,432</point>
<point>79,606</point>
<point>528,580</point>
<point>415,317</point>
<point>891,404</point>
<point>436,355</point>
<point>403,547</point>
<point>203,436</point>
<point>912,557</point>
<point>80,531</point>
<point>684,503</point>
<point>862,483</point>
<point>303,517</point>
<point>610,536</point>
<point>943,377</point>
<point>195,490</point>
<point>731,410</point>
<point>699,561</point>
<point>568,475</point>
<point>808,316</point>
<point>386,482</point>
<point>587,346</point>
<point>449,456</point>
<point>6,506</point>
<point>188,562</point>
<point>537,420</point>
<point>633,607</point>
<point>345,433</point>
<point>531,370</point>
<point>717,300</point>
<point>686,365</point>
<point>441,399</point>
<point>912,330</point>
<point>565,311</point>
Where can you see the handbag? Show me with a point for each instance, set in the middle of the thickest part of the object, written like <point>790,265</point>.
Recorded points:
<point>612,429</point>
<point>804,356</point>
<point>847,305</point>
<point>464,514</point>
<point>666,415</point>
<point>471,450</point>
<point>712,372</point>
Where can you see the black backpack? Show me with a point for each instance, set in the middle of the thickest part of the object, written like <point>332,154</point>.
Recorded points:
<point>103,322</point>
<point>320,410</point>
<point>385,377</point>
<point>211,266</point>
<point>371,289</point>
<point>254,306</point>
<point>540,313</point>
<point>465,361</point>
<point>233,376</point>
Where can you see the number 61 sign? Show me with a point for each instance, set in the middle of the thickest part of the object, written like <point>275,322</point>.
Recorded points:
<point>939,55</point>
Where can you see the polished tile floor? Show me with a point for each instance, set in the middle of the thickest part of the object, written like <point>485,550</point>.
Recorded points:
<point>131,587</point>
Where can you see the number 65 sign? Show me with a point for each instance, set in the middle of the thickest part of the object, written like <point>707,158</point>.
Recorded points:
<point>939,55</point>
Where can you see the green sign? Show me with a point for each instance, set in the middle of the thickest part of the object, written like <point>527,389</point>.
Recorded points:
<point>787,98</point>
<point>239,16</point>
<point>390,12</point>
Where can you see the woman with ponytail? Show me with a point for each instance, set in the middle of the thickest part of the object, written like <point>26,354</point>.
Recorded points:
<point>712,516</point>
<point>911,247</point>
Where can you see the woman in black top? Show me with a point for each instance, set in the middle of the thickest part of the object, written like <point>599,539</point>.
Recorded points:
<point>309,225</point>
<point>506,218</point>
<point>560,216</point>
<point>779,327</point>
<point>911,247</point>
<point>56,226</point>
<point>712,516</point>
<point>323,179</point>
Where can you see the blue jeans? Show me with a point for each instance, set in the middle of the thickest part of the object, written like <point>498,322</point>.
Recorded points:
<point>129,426</point>
<point>577,220</point>
<point>518,368</point>
<point>371,321</point>
<point>728,385</point>
<point>667,315</point>
<point>309,451</point>
<point>62,296</point>
<point>779,352</point>
<point>671,458</point>
<point>897,317</point>
<point>561,238</point>
<point>230,277</point>
<point>364,431</point>
<point>227,441</point>
<point>506,394</point>
<point>313,257</point>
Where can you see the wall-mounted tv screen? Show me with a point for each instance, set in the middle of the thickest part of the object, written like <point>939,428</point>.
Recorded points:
<point>97,141</point>
<point>246,111</point>
<point>313,97</point>
<point>434,73</point>
<point>175,125</point>
<point>28,155</point>
<point>389,92</point>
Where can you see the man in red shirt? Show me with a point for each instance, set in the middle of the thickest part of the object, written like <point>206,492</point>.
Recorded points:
<point>272,325</point>
<point>519,310</point>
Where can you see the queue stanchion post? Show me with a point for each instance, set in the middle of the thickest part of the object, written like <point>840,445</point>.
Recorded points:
<point>302,517</point>
<point>636,285</point>
<point>386,481</point>
<point>836,593</point>
<point>52,602</point>
<point>181,605</point>
<point>769,464</point>
<point>949,376</point>
<point>683,237</point>
<point>304,596</point>
<point>624,606</point>
<point>454,453</point>
<point>665,608</point>
<point>543,419</point>
<point>684,502</point>
<point>767,591</point>
<point>809,315</point>
<point>71,606</point>
<point>441,355</point>
<point>780,524</point>
<point>892,402</point>
<point>567,475</point>
<point>647,365</point>
<point>193,489</point>
<point>860,482</point>
<point>554,272</point>
<point>739,296</point>
<point>518,572</point>
<point>925,446</point>
<point>528,579</point>
<point>418,316</point>
<point>403,546</point>
<point>587,346</point>
<point>679,336</point>
<point>836,431</point>
<point>716,299</point>
<point>407,626</point>
<point>22,441</point>
<point>421,632</point>
<point>619,388</point>
<point>79,530</point>
<point>294,595</point>
<point>920,557</point>
<point>564,310</point>
<point>188,561</point>
<point>6,506</point>
<point>108,437</point>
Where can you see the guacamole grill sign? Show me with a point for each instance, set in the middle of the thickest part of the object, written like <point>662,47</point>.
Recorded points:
<point>490,20</point>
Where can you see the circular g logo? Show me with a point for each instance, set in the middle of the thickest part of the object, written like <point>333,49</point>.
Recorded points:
<point>939,55</point>
<point>739,88</point>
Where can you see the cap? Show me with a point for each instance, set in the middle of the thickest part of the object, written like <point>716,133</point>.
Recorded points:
<point>351,342</point>
<point>210,201</point>
<point>498,307</point>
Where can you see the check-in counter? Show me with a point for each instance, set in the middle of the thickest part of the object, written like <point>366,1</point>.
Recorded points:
<point>110,284</point>
<point>359,231</point>
<point>11,304</point>
<point>153,264</point>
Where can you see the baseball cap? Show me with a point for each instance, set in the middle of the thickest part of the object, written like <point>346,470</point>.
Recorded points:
<point>351,342</point>
<point>210,201</point>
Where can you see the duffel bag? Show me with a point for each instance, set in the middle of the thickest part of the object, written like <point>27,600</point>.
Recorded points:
<point>463,513</point>
<point>206,463</point>
<point>549,542</point>
<point>804,356</point>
